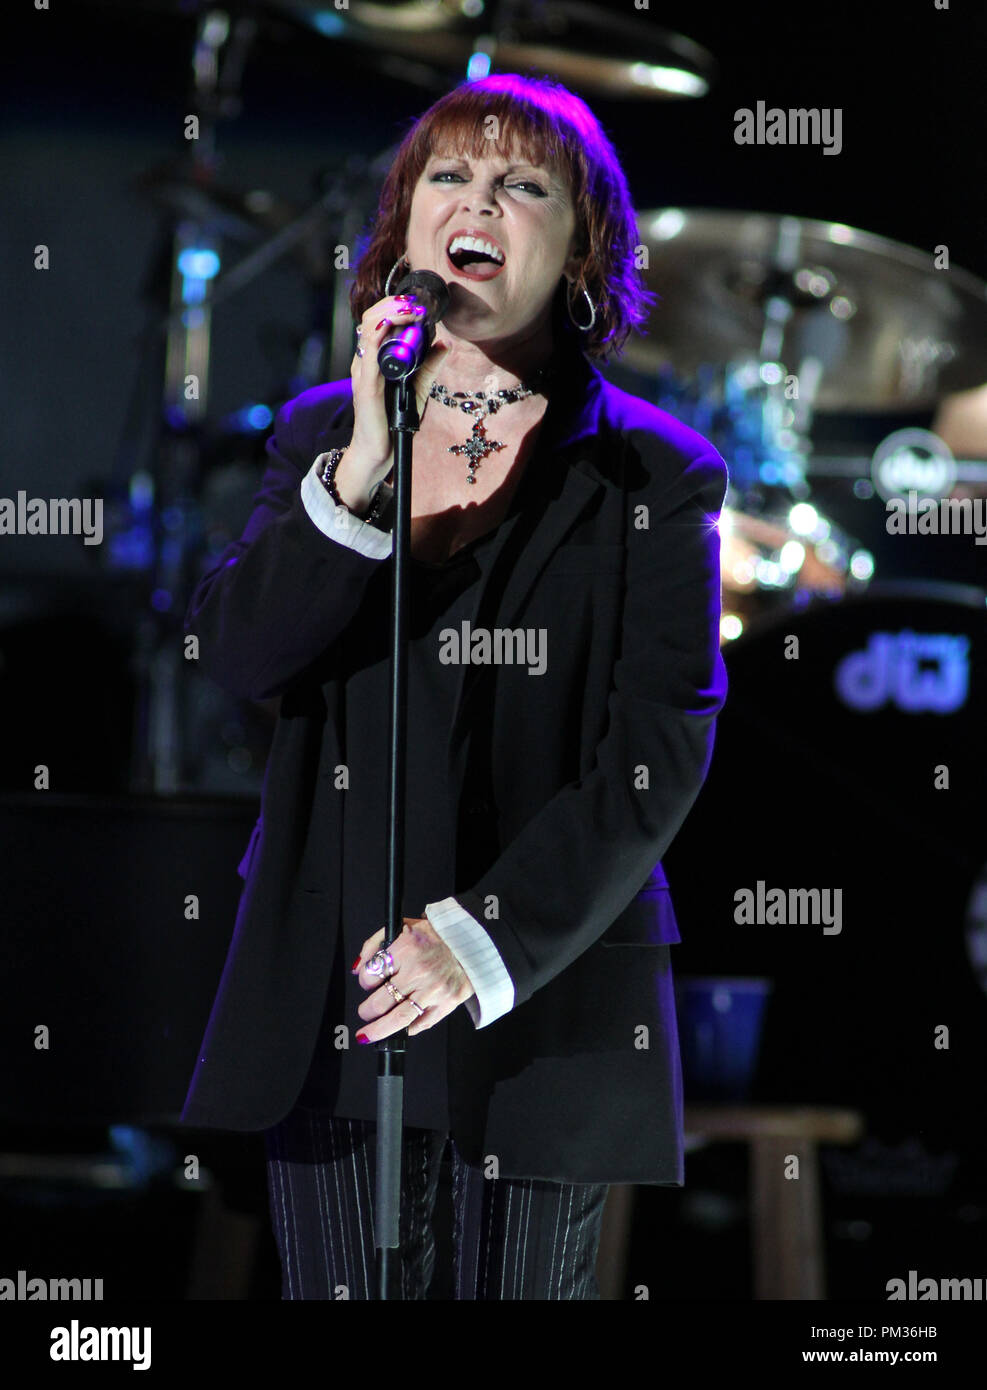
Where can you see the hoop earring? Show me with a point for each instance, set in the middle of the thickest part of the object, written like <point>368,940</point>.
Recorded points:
<point>387,285</point>
<point>583,327</point>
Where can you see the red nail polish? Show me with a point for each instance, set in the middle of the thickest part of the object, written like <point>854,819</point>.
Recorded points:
<point>362,1038</point>
<point>381,324</point>
<point>355,965</point>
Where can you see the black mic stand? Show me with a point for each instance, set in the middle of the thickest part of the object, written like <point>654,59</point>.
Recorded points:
<point>402,409</point>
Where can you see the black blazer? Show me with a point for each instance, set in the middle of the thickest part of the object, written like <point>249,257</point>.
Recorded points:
<point>574,782</point>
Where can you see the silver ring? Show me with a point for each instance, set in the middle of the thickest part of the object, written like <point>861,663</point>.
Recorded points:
<point>380,963</point>
<point>414,1002</point>
<point>359,350</point>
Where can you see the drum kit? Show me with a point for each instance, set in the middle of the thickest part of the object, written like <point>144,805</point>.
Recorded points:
<point>768,324</point>
<point>769,334</point>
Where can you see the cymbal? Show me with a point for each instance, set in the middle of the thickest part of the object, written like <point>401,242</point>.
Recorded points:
<point>585,46</point>
<point>889,329</point>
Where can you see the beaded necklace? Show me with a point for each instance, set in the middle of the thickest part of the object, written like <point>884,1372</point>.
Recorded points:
<point>482,405</point>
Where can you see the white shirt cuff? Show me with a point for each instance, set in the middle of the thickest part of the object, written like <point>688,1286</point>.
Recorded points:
<point>470,943</point>
<point>336,522</point>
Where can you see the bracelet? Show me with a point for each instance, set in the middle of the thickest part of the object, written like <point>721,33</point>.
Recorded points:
<point>379,498</point>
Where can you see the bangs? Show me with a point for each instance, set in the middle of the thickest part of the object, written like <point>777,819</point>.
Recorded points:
<point>461,125</point>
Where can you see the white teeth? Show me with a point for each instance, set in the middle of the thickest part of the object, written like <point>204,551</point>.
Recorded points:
<point>473,243</point>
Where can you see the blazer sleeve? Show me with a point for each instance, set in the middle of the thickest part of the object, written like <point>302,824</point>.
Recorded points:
<point>278,597</point>
<point>580,859</point>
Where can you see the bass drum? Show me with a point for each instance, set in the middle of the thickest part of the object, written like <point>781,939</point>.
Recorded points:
<point>852,755</point>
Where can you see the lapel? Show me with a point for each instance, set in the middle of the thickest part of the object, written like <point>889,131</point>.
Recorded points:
<point>559,483</point>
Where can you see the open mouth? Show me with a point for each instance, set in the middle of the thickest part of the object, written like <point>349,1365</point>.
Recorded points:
<point>477,258</point>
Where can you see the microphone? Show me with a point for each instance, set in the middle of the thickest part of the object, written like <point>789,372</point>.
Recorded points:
<point>404,350</point>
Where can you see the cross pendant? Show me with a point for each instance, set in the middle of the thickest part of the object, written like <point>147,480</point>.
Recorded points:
<point>477,447</point>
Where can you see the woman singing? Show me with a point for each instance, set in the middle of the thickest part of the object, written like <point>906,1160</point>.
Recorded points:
<point>563,682</point>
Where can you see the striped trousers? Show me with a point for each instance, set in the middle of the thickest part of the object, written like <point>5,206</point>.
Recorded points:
<point>514,1238</point>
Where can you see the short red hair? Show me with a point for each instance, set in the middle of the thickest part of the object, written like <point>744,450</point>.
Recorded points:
<point>550,126</point>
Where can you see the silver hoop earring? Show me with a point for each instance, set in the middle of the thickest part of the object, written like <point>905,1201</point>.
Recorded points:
<point>387,286</point>
<point>583,327</point>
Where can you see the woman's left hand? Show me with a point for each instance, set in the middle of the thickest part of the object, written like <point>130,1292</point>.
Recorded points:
<point>424,969</point>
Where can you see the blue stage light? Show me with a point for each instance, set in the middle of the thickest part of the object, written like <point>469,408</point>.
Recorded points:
<point>477,67</point>
<point>328,23</point>
<point>198,263</point>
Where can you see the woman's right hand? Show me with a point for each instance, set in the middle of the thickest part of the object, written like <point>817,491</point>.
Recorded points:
<point>369,456</point>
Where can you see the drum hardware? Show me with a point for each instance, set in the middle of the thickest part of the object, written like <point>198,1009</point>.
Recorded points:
<point>888,331</point>
<point>763,321</point>
<point>589,48</point>
<point>158,525</point>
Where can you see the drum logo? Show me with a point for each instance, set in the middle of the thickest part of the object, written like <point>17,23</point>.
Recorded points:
<point>913,460</point>
<point>919,672</point>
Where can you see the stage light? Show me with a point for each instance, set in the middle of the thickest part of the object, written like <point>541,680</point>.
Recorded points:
<point>730,627</point>
<point>862,564</point>
<point>141,491</point>
<point>828,552</point>
<point>771,574</point>
<point>677,80</point>
<point>329,23</point>
<point>792,557</point>
<point>668,224</point>
<point>478,67</point>
<point>198,263</point>
<point>803,519</point>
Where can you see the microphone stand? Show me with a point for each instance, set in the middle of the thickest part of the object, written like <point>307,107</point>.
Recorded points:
<point>402,408</point>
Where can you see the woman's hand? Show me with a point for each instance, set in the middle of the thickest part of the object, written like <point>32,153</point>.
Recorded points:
<point>369,456</point>
<point>424,969</point>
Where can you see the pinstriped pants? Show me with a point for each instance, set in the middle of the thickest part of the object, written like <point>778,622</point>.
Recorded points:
<point>515,1238</point>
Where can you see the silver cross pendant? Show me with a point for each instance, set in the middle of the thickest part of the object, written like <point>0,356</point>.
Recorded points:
<point>477,447</point>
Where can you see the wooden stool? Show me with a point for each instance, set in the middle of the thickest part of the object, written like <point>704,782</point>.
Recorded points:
<point>785,1212</point>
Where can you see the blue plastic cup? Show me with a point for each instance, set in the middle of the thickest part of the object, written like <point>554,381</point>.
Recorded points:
<point>720,1022</point>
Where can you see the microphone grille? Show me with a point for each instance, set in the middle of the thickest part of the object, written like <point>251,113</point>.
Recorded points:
<point>430,288</point>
